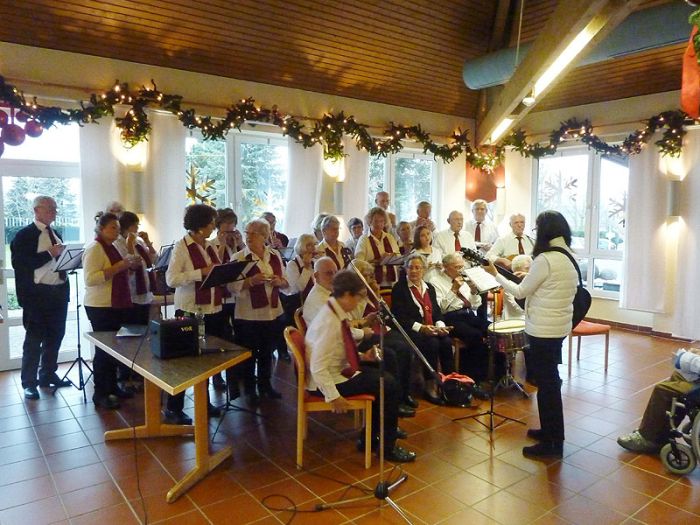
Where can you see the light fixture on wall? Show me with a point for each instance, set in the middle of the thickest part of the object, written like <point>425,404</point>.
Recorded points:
<point>134,158</point>
<point>335,168</point>
<point>673,203</point>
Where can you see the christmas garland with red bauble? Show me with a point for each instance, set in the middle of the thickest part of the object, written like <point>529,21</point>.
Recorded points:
<point>327,131</point>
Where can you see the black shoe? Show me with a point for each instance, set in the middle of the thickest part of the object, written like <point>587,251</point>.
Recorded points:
<point>480,393</point>
<point>399,454</point>
<point>213,411</point>
<point>176,418</point>
<point>406,411</point>
<point>218,382</point>
<point>110,402</point>
<point>122,393</point>
<point>31,393</point>
<point>435,400</point>
<point>127,387</point>
<point>410,401</point>
<point>54,381</point>
<point>401,433</point>
<point>544,449</point>
<point>266,390</point>
<point>536,433</point>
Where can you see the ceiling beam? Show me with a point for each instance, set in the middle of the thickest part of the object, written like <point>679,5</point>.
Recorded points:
<point>569,18</point>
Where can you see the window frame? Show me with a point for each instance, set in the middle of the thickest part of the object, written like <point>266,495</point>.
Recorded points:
<point>591,252</point>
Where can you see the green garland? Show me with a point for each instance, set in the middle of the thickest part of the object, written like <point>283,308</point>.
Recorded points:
<point>329,130</point>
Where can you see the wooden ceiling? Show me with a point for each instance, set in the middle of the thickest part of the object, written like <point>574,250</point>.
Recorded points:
<point>391,51</point>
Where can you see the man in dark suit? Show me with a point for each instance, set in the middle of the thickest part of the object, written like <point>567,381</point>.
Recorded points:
<point>43,296</point>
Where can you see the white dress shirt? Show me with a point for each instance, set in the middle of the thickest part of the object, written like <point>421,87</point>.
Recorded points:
<point>445,240</point>
<point>45,274</point>
<point>447,299</point>
<point>182,276</point>
<point>297,279</point>
<point>489,231</point>
<point>323,246</point>
<point>508,245</point>
<point>317,298</point>
<point>244,307</point>
<point>325,351</point>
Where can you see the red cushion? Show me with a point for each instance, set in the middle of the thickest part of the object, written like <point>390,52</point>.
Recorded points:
<point>588,328</point>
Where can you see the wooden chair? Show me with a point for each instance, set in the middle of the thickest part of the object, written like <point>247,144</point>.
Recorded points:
<point>307,402</point>
<point>299,320</point>
<point>583,329</point>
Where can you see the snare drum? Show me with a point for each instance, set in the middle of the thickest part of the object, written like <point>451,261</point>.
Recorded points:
<point>507,336</point>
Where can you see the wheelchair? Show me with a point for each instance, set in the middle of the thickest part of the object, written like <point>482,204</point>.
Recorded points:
<point>680,455</point>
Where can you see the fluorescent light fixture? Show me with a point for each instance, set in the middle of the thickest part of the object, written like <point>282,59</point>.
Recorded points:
<point>529,100</point>
<point>563,60</point>
<point>501,129</point>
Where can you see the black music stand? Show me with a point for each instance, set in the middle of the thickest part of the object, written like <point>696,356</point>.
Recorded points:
<point>71,260</point>
<point>221,275</point>
<point>159,268</point>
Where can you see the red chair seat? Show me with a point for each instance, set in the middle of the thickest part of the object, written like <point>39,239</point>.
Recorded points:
<point>587,328</point>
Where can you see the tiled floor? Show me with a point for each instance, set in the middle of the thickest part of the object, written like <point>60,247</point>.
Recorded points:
<point>56,468</point>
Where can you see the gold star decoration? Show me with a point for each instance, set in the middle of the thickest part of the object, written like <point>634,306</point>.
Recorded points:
<point>201,192</point>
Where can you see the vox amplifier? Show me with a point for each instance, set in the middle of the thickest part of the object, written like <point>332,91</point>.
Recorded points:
<point>173,337</point>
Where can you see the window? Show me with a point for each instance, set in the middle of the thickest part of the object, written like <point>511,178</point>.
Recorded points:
<point>249,172</point>
<point>591,192</point>
<point>408,178</point>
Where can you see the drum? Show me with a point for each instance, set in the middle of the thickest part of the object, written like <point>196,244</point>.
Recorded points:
<point>507,336</point>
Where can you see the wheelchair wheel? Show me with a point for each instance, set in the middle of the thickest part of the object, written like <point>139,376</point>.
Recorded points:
<point>695,435</point>
<point>679,463</point>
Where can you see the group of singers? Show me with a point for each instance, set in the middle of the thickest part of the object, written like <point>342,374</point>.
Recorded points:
<point>431,299</point>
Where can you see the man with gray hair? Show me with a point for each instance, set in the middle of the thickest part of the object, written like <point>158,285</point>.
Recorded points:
<point>454,238</point>
<point>484,231</point>
<point>324,270</point>
<point>43,296</point>
<point>515,242</point>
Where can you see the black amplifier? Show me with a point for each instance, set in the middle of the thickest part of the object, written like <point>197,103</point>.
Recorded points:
<point>173,337</point>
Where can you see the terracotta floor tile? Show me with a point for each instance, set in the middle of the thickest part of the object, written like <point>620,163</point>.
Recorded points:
<point>21,452</point>
<point>289,488</point>
<point>569,476</point>
<point>71,459</point>
<point>54,444</point>
<point>462,455</point>
<point>145,484</point>
<point>307,515</point>
<point>640,480</point>
<point>466,488</point>
<point>470,516</point>
<point>324,480</point>
<point>40,512</point>
<point>23,470</point>
<point>651,463</point>
<point>23,492</point>
<point>239,509</point>
<point>57,428</point>
<point>91,498</point>
<point>583,511</point>
<point>660,512</point>
<point>498,473</point>
<point>616,497</point>
<point>387,515</point>
<point>194,517</point>
<point>154,507</point>
<point>431,468</point>
<point>683,496</point>
<point>258,475</point>
<point>504,507</point>
<point>121,514</point>
<point>540,492</point>
<point>16,437</point>
<point>430,504</point>
<point>81,477</point>
<point>217,486</point>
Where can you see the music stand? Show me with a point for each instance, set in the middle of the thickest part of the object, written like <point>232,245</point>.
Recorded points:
<point>221,275</point>
<point>70,260</point>
<point>159,268</point>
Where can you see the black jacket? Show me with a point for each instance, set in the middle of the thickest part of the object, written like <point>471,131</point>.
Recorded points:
<point>25,260</point>
<point>405,310</point>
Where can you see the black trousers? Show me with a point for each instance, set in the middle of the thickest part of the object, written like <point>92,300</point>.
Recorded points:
<point>261,337</point>
<point>544,358</point>
<point>367,382</point>
<point>397,359</point>
<point>104,366</point>
<point>44,324</point>
<point>471,330</point>
<point>435,349</point>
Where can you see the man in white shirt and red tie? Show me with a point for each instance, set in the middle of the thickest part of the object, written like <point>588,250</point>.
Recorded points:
<point>454,238</point>
<point>511,244</point>
<point>336,369</point>
<point>484,231</point>
<point>43,296</point>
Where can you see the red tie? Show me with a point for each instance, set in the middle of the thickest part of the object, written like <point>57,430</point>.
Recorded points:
<point>477,232</point>
<point>350,350</point>
<point>458,246</point>
<point>425,304</point>
<point>521,250</point>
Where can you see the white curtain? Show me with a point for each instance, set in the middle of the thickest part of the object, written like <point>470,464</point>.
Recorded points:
<point>303,188</point>
<point>355,187</point>
<point>163,180</point>
<point>645,262</point>
<point>452,191</point>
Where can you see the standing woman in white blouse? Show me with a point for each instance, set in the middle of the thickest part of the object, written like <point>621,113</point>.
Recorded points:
<point>192,260</point>
<point>107,302</point>
<point>259,316</point>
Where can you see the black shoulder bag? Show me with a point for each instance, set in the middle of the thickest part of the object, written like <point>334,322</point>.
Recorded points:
<point>582,299</point>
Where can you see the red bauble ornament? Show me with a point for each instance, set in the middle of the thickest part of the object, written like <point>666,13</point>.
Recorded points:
<point>3,118</point>
<point>22,116</point>
<point>12,135</point>
<point>33,128</point>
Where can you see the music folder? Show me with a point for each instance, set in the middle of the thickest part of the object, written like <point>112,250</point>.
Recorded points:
<point>483,280</point>
<point>222,274</point>
<point>163,259</point>
<point>71,258</point>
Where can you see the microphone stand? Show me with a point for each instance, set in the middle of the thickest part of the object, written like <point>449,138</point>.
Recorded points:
<point>383,489</point>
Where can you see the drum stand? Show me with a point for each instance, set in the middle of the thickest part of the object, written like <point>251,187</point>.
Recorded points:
<point>492,383</point>
<point>508,381</point>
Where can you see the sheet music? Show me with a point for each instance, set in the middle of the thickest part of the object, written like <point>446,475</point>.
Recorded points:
<point>483,280</point>
<point>392,259</point>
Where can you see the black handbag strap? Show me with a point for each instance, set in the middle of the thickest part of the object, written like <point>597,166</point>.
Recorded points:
<point>573,261</point>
